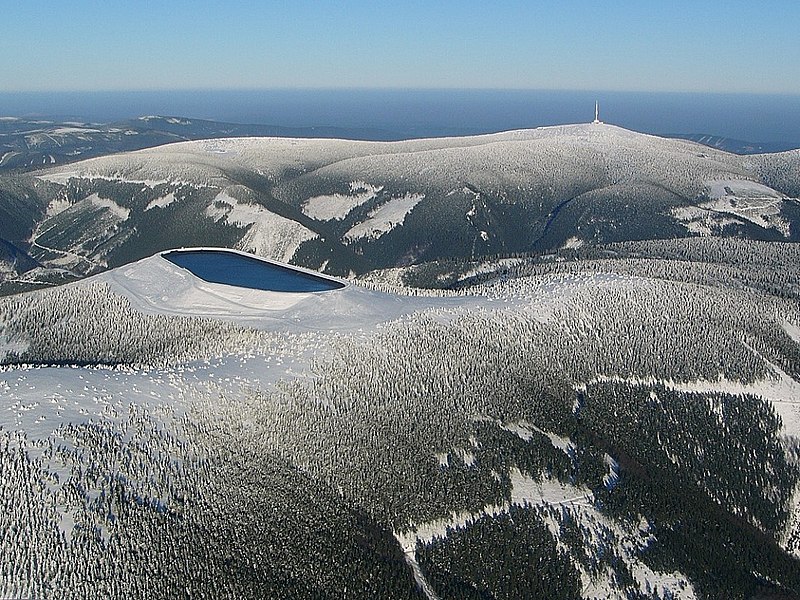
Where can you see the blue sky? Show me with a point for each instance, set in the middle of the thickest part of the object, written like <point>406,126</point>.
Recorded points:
<point>713,46</point>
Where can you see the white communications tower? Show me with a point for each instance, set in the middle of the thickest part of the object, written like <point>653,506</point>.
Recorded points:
<point>597,120</point>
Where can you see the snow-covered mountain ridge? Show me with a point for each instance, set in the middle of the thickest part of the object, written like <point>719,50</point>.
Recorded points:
<point>350,206</point>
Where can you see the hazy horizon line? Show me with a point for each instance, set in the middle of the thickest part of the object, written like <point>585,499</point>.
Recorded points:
<point>400,89</point>
<point>431,111</point>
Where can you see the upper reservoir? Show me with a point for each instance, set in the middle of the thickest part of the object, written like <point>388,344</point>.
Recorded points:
<point>232,268</point>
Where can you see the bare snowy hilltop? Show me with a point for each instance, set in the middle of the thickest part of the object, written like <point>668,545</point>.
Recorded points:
<point>550,363</point>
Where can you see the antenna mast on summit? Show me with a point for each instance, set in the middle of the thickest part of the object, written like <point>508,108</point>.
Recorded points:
<point>597,120</point>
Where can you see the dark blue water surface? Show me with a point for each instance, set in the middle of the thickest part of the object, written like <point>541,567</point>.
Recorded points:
<point>425,113</point>
<point>231,268</point>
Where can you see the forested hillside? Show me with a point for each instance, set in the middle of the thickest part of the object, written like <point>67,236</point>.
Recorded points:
<point>344,206</point>
<point>618,421</point>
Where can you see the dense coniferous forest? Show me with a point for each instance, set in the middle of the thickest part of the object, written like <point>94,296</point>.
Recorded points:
<point>573,437</point>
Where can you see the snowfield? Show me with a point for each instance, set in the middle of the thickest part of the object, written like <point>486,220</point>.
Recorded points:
<point>120,212</point>
<point>156,286</point>
<point>161,202</point>
<point>338,206</point>
<point>268,234</point>
<point>385,218</point>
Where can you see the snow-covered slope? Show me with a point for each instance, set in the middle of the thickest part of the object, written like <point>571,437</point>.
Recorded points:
<point>514,157</point>
<point>592,427</point>
<point>342,206</point>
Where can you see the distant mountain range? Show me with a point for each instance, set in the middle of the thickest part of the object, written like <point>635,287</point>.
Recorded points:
<point>27,144</point>
<point>30,144</point>
<point>733,145</point>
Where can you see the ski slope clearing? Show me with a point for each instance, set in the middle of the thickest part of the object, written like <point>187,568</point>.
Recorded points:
<point>267,234</point>
<point>384,218</point>
<point>338,206</point>
<point>749,200</point>
<point>120,212</point>
<point>782,390</point>
<point>161,202</point>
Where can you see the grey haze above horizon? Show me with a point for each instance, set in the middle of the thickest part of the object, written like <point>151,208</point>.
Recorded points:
<point>433,112</point>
